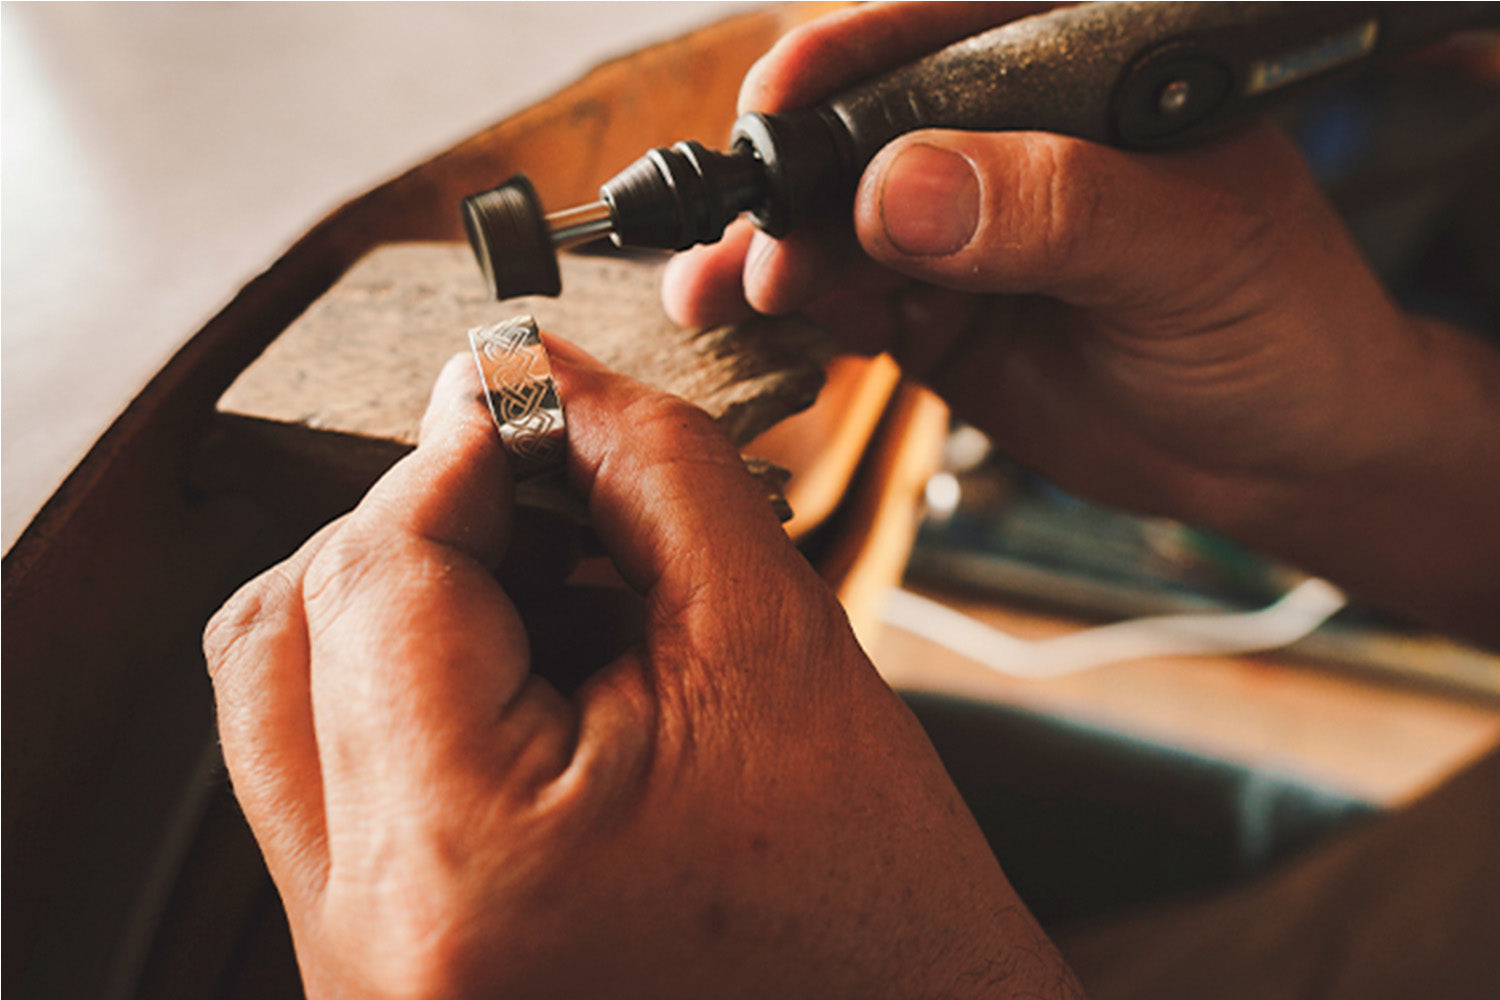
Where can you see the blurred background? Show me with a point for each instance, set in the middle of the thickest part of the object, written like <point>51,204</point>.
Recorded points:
<point>158,156</point>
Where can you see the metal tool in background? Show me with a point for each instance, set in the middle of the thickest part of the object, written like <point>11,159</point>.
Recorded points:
<point>1132,75</point>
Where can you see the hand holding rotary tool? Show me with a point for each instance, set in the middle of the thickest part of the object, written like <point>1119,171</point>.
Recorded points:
<point>1189,333</point>
<point>1130,75</point>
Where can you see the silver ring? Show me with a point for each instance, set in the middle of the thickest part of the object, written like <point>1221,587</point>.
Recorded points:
<point>521,395</point>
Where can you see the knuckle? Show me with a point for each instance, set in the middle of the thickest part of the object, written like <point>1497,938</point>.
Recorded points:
<point>678,456</point>
<point>259,606</point>
<point>338,570</point>
<point>1063,199</point>
<point>670,427</point>
<point>807,45</point>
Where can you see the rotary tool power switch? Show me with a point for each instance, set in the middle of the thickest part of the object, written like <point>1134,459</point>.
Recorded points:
<point>1131,75</point>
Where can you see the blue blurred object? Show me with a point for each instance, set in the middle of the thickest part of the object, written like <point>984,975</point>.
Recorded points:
<point>1336,131</point>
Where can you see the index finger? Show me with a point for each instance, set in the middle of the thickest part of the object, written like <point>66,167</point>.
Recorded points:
<point>833,52</point>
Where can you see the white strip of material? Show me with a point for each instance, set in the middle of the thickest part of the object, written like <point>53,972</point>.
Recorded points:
<point>1299,612</point>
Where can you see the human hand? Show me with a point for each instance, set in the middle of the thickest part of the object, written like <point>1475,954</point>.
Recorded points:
<point>1188,333</point>
<point>736,806</point>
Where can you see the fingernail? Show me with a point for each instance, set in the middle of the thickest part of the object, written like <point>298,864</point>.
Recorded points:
<point>929,201</point>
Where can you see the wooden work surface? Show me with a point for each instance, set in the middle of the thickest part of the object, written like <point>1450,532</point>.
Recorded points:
<point>362,360</point>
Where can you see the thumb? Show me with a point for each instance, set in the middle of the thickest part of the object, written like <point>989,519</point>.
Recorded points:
<point>1031,212</point>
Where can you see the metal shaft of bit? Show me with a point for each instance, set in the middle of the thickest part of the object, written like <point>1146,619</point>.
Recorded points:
<point>572,226</point>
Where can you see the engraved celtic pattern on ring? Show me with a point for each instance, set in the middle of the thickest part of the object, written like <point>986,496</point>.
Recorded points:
<point>521,395</point>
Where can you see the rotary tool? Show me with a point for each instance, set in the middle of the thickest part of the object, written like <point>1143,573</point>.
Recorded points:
<point>1132,75</point>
